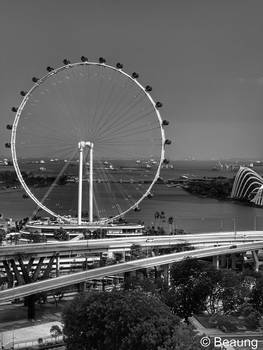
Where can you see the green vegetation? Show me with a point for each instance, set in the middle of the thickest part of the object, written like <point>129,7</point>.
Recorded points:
<point>61,234</point>
<point>229,299</point>
<point>9,179</point>
<point>124,320</point>
<point>219,188</point>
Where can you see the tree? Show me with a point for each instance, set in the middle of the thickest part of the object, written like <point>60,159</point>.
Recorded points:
<point>118,321</point>
<point>55,331</point>
<point>184,338</point>
<point>58,296</point>
<point>136,252</point>
<point>61,234</point>
<point>257,295</point>
<point>162,217</point>
<point>192,282</point>
<point>251,316</point>
<point>37,237</point>
<point>170,222</point>
<point>2,236</point>
<point>233,291</point>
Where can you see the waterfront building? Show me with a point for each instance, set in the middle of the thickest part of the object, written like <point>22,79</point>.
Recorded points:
<point>248,185</point>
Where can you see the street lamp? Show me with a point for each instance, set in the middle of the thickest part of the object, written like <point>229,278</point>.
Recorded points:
<point>221,224</point>
<point>255,222</point>
<point>235,231</point>
<point>146,241</point>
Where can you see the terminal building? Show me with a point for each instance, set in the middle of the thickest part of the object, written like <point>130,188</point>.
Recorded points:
<point>104,230</point>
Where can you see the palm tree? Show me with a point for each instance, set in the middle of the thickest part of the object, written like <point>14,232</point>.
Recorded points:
<point>170,222</point>
<point>162,217</point>
<point>156,217</point>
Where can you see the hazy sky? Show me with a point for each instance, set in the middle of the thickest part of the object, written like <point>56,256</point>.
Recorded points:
<point>204,59</point>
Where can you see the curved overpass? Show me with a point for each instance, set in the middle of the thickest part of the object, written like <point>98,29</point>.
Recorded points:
<point>205,239</point>
<point>71,279</point>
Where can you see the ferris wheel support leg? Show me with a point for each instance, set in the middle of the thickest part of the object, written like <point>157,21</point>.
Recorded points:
<point>80,184</point>
<point>91,183</point>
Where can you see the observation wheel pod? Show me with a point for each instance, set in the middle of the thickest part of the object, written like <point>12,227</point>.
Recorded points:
<point>95,103</point>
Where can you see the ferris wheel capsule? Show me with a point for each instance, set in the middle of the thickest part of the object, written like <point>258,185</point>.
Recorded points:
<point>165,122</point>
<point>119,65</point>
<point>84,59</point>
<point>158,104</point>
<point>66,62</point>
<point>137,209</point>
<point>23,93</point>
<point>9,127</point>
<point>49,69</point>
<point>35,80</point>
<point>148,88</point>
<point>7,145</point>
<point>102,60</point>
<point>167,142</point>
<point>135,75</point>
<point>14,109</point>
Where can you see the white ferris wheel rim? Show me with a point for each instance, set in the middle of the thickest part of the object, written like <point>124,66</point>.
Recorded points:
<point>17,118</point>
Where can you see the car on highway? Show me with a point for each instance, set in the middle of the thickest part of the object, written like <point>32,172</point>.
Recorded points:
<point>233,246</point>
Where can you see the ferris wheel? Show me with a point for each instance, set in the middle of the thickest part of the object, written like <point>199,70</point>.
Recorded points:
<point>88,141</point>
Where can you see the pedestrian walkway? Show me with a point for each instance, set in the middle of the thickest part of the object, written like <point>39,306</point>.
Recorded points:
<point>13,325</point>
<point>214,332</point>
<point>27,335</point>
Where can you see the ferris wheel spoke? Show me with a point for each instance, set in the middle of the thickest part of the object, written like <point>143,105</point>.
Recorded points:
<point>52,186</point>
<point>118,105</point>
<point>97,99</point>
<point>132,131</point>
<point>115,118</point>
<point>128,138</point>
<point>107,103</point>
<point>125,125</point>
<point>66,112</point>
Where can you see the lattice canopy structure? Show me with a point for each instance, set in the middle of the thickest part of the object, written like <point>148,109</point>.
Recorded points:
<point>248,185</point>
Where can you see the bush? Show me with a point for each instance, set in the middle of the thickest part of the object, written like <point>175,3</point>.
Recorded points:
<point>224,323</point>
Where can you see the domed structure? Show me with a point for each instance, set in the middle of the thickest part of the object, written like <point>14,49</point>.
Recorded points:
<point>248,185</point>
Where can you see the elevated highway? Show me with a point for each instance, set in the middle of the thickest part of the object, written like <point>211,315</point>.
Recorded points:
<point>118,244</point>
<point>71,279</point>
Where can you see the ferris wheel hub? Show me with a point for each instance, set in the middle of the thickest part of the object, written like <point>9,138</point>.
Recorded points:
<point>83,144</point>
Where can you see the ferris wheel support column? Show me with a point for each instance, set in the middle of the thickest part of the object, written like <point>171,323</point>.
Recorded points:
<point>81,147</point>
<point>91,182</point>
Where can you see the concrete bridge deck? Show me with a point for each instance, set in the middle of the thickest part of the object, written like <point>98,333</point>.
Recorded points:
<point>118,244</point>
<point>71,279</point>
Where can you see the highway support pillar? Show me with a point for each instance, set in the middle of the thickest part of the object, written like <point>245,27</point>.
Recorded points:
<point>38,269</point>
<point>166,274</point>
<point>10,278</point>
<point>49,267</point>
<point>30,264</point>
<point>223,261</point>
<point>123,256</point>
<point>257,262</point>
<point>31,307</point>
<point>57,265</point>
<point>24,270</point>
<point>216,261</point>
<point>233,261</point>
<point>81,287</point>
<point>19,277</point>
